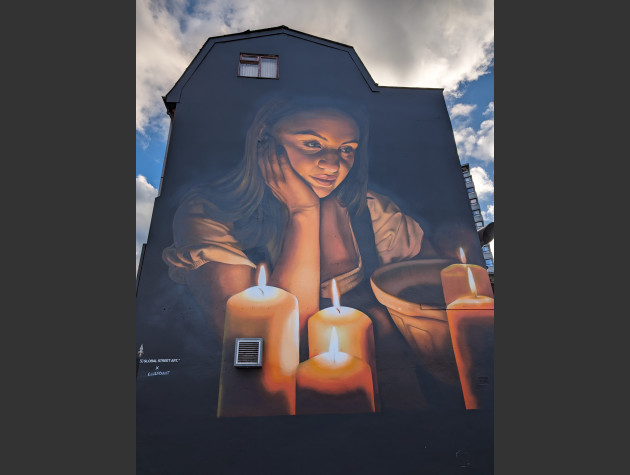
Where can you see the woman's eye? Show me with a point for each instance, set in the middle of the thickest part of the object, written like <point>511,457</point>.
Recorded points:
<point>311,144</point>
<point>346,149</point>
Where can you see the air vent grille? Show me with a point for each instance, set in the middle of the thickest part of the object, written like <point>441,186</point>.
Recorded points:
<point>248,352</point>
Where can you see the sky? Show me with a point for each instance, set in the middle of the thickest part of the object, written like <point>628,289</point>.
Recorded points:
<point>408,43</point>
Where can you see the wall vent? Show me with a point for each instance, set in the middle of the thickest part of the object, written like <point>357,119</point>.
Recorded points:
<point>248,353</point>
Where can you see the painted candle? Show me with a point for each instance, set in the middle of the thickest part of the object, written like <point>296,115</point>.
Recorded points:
<point>272,314</point>
<point>354,329</point>
<point>455,279</point>
<point>334,382</point>
<point>471,324</point>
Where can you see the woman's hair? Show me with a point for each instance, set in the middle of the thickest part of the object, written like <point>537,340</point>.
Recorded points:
<point>243,198</point>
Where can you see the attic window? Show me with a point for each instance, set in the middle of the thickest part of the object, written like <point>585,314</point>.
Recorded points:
<point>258,66</point>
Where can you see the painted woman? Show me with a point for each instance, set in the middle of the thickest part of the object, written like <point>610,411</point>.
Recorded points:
<point>298,202</point>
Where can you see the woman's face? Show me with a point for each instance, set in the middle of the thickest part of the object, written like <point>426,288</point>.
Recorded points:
<point>320,145</point>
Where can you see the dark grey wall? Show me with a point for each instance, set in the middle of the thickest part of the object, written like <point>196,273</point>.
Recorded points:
<point>413,160</point>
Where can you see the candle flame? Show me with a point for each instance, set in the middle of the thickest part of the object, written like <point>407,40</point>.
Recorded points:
<point>462,256</point>
<point>335,296</point>
<point>262,276</point>
<point>333,348</point>
<point>471,281</point>
<point>262,279</point>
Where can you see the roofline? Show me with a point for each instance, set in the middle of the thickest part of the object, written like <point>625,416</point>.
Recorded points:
<point>276,30</point>
<point>414,88</point>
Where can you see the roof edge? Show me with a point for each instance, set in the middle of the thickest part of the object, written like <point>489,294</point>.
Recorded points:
<point>171,98</point>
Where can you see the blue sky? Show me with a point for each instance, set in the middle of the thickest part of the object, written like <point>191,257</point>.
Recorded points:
<point>150,156</point>
<point>409,43</point>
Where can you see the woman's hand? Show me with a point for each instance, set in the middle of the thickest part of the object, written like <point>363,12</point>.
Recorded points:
<point>299,254</point>
<point>286,185</point>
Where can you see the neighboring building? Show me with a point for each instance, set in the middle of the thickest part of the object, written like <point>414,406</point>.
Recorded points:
<point>478,218</point>
<point>234,374</point>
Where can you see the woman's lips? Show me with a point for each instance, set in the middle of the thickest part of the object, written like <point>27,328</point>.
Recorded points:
<point>324,180</point>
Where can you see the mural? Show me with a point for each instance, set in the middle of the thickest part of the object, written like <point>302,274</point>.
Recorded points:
<point>360,307</point>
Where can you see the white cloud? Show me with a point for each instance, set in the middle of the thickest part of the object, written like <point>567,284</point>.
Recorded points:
<point>485,141</point>
<point>466,140</point>
<point>462,110</point>
<point>472,143</point>
<point>145,196</point>
<point>488,214</point>
<point>411,43</point>
<point>483,183</point>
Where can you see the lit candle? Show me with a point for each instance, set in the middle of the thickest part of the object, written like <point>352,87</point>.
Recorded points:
<point>471,324</point>
<point>354,328</point>
<point>455,279</point>
<point>334,382</point>
<point>272,314</point>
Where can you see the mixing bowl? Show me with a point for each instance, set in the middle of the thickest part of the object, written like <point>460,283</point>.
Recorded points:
<point>412,292</point>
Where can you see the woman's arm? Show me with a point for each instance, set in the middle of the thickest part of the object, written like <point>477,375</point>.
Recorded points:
<point>297,268</point>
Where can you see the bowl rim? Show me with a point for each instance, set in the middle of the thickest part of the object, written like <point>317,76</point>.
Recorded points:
<point>398,304</point>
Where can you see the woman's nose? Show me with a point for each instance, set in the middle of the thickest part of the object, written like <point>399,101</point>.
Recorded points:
<point>329,161</point>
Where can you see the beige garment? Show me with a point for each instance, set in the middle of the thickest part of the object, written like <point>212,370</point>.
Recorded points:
<point>199,239</point>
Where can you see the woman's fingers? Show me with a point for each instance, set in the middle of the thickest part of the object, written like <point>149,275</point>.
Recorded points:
<point>286,170</point>
<point>265,168</point>
<point>264,161</point>
<point>271,169</point>
<point>284,165</point>
<point>275,154</point>
<point>282,179</point>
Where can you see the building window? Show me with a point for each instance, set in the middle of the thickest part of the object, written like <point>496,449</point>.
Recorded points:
<point>468,180</point>
<point>485,248</point>
<point>470,190</point>
<point>489,263</point>
<point>258,66</point>
<point>473,201</point>
<point>476,213</point>
<point>479,224</point>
